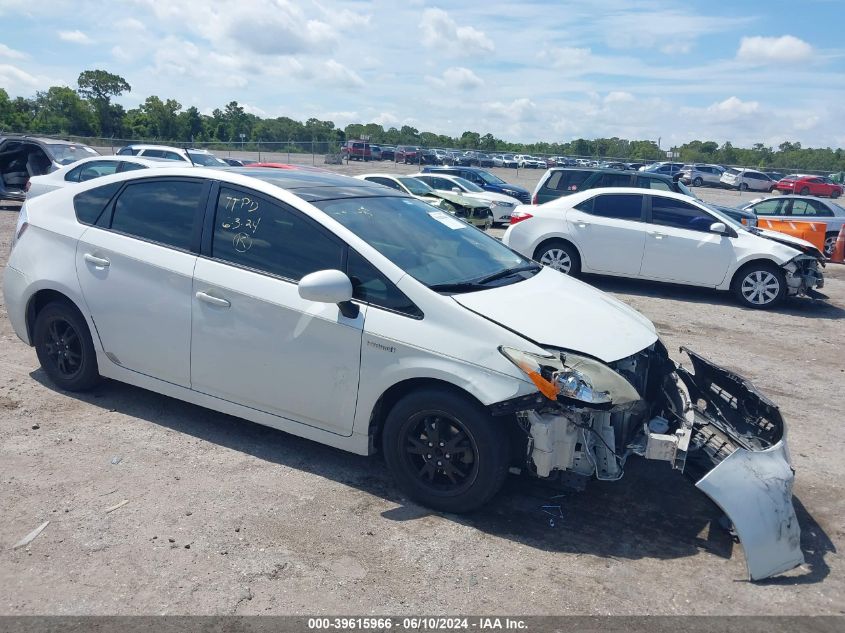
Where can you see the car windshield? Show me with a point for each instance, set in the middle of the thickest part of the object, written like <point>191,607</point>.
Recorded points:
<point>67,154</point>
<point>466,184</point>
<point>686,190</point>
<point>206,160</point>
<point>416,187</point>
<point>723,216</point>
<point>434,247</point>
<point>490,179</point>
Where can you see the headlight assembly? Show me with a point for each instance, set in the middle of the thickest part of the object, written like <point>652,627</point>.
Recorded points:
<point>573,377</point>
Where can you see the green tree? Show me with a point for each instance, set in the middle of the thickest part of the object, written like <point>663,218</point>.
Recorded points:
<point>60,110</point>
<point>162,117</point>
<point>98,87</point>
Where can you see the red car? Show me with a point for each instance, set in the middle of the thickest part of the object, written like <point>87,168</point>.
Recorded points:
<point>356,150</point>
<point>809,186</point>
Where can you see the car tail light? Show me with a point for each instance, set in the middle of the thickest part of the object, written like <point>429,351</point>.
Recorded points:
<point>519,216</point>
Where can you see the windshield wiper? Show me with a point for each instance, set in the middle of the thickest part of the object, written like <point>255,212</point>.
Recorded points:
<point>507,272</point>
<point>461,286</point>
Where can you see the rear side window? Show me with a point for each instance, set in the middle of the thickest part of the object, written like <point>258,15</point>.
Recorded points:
<point>126,166</point>
<point>159,211</point>
<point>806,207</point>
<point>387,182</point>
<point>89,205</point>
<point>772,206</point>
<point>622,206</point>
<point>654,183</point>
<point>370,286</point>
<point>254,232</point>
<point>127,151</point>
<point>679,214</point>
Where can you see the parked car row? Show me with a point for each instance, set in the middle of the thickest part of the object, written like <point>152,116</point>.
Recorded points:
<point>355,315</point>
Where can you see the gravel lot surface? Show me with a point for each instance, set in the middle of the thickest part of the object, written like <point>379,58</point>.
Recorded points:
<point>225,516</point>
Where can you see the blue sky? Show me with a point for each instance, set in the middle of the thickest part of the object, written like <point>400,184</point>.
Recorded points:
<point>761,71</point>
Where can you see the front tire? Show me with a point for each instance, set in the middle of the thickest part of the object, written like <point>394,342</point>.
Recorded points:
<point>743,186</point>
<point>559,256</point>
<point>805,191</point>
<point>64,347</point>
<point>697,182</point>
<point>760,285</point>
<point>830,243</point>
<point>445,451</point>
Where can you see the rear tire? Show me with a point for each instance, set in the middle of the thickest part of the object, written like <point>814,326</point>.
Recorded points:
<point>805,191</point>
<point>445,451</point>
<point>759,285</point>
<point>697,182</point>
<point>64,347</point>
<point>743,186</point>
<point>560,256</point>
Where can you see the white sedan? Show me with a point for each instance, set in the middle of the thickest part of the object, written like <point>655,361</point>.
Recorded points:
<point>501,204</point>
<point>90,168</point>
<point>665,236</point>
<point>359,317</point>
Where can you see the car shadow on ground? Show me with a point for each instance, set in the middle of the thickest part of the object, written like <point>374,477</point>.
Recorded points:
<point>793,306</point>
<point>652,512</point>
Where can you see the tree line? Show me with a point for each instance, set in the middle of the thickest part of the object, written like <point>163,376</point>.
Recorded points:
<point>89,110</point>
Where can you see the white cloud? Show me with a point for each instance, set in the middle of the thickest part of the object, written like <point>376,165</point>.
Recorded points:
<point>75,37</point>
<point>11,53</point>
<point>441,32</point>
<point>776,50</point>
<point>457,78</point>
<point>386,119</point>
<point>518,110</point>
<point>668,30</point>
<point>339,75</point>
<point>618,96</point>
<point>733,107</point>
<point>14,76</point>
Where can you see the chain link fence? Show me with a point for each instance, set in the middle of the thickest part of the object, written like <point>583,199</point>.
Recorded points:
<point>316,152</point>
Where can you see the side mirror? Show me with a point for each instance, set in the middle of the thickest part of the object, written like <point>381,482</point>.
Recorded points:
<point>329,286</point>
<point>718,227</point>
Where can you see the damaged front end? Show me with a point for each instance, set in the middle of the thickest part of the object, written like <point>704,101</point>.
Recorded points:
<point>710,423</point>
<point>803,276</point>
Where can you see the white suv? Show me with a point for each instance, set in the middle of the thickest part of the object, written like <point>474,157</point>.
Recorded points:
<point>747,179</point>
<point>665,236</point>
<point>356,316</point>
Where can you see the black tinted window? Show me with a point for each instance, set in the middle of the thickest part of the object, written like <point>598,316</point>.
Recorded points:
<point>624,206</point>
<point>567,180</point>
<point>124,166</point>
<point>264,235</point>
<point>654,183</point>
<point>370,286</point>
<point>614,180</point>
<point>126,151</point>
<point>90,204</point>
<point>154,153</point>
<point>387,182</point>
<point>680,214</point>
<point>160,211</point>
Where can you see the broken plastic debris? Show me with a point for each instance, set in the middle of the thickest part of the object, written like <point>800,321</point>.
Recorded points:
<point>26,540</point>
<point>116,506</point>
<point>116,459</point>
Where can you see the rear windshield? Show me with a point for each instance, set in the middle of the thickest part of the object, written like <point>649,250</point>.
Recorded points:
<point>67,154</point>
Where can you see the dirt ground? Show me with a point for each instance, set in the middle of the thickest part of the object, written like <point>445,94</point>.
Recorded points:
<point>228,517</point>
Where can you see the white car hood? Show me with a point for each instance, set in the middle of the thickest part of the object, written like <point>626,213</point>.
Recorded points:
<point>555,310</point>
<point>492,195</point>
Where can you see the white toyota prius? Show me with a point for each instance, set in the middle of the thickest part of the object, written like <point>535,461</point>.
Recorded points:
<point>362,318</point>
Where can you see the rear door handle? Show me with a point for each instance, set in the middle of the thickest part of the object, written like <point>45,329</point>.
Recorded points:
<point>658,236</point>
<point>582,225</point>
<point>215,301</point>
<point>97,261</point>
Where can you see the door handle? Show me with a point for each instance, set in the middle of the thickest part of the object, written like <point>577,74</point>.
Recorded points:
<point>582,225</point>
<point>97,261</point>
<point>658,236</point>
<point>215,301</point>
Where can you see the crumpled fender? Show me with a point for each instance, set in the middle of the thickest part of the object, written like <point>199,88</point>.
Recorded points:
<point>754,488</point>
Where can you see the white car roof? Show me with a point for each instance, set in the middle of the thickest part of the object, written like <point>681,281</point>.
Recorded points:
<point>573,199</point>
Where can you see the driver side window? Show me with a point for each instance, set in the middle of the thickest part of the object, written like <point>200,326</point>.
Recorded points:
<point>679,214</point>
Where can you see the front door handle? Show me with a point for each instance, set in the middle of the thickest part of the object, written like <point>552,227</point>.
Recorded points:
<point>97,261</point>
<point>582,225</point>
<point>215,301</point>
<point>658,236</point>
